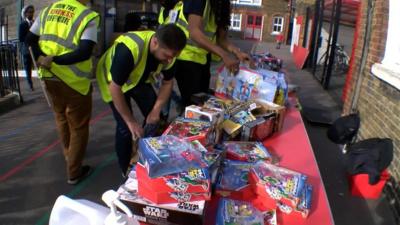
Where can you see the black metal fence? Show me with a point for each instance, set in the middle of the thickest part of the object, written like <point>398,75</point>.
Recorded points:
<point>9,82</point>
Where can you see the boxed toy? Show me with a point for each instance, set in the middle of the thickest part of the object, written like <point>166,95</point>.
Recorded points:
<point>258,129</point>
<point>214,116</point>
<point>182,213</point>
<point>191,129</point>
<point>161,197</point>
<point>168,154</point>
<point>265,108</point>
<point>277,183</point>
<point>233,212</point>
<point>193,180</point>
<point>303,208</point>
<point>246,151</point>
<point>233,181</point>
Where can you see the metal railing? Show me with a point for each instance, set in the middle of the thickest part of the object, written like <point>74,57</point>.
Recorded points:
<point>9,82</point>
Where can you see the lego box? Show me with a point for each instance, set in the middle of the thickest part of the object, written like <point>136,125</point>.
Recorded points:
<point>193,180</point>
<point>182,213</point>
<point>192,129</point>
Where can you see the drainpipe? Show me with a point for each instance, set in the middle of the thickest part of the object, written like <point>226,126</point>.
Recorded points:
<point>364,55</point>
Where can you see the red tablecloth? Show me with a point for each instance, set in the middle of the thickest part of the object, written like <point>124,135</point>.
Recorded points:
<point>293,148</point>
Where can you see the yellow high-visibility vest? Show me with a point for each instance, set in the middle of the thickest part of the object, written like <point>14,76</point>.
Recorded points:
<point>192,51</point>
<point>138,44</point>
<point>61,28</point>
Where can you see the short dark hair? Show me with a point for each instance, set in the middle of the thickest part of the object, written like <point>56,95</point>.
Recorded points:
<point>171,36</point>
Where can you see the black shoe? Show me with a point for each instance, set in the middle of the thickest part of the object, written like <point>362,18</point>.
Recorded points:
<point>86,171</point>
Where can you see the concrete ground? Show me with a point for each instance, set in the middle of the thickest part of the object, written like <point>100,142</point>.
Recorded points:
<point>32,171</point>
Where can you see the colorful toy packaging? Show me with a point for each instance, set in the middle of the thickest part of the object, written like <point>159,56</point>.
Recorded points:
<point>258,129</point>
<point>277,183</point>
<point>213,115</point>
<point>181,213</point>
<point>161,197</point>
<point>233,181</point>
<point>303,208</point>
<point>233,212</point>
<point>191,129</point>
<point>168,154</point>
<point>246,151</point>
<point>193,180</point>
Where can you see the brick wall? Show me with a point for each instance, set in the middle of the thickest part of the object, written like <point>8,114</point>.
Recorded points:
<point>378,102</point>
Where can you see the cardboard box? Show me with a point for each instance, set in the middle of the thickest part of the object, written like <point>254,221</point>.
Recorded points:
<point>238,212</point>
<point>214,116</point>
<point>182,213</point>
<point>258,129</point>
<point>194,180</point>
<point>191,129</point>
<point>269,107</point>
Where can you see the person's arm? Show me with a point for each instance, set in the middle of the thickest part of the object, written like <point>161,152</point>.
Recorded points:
<point>121,67</point>
<point>196,34</point>
<point>119,102</point>
<point>82,53</point>
<point>22,31</point>
<point>223,41</point>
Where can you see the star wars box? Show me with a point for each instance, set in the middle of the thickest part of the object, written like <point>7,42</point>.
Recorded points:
<point>161,197</point>
<point>246,151</point>
<point>192,129</point>
<point>233,181</point>
<point>233,212</point>
<point>193,180</point>
<point>278,183</point>
<point>182,213</point>
<point>168,154</point>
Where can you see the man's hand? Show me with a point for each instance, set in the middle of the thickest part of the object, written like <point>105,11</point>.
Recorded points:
<point>231,63</point>
<point>153,117</point>
<point>136,130</point>
<point>45,61</point>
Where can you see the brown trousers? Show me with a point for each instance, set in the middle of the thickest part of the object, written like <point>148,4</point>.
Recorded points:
<point>72,112</point>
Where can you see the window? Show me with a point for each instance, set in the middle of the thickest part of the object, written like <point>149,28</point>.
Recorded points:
<point>247,2</point>
<point>277,26</point>
<point>236,21</point>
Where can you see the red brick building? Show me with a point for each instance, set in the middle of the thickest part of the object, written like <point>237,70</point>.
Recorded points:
<point>374,81</point>
<point>260,19</point>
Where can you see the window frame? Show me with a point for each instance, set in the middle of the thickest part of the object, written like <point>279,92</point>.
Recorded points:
<point>247,2</point>
<point>232,20</point>
<point>281,25</point>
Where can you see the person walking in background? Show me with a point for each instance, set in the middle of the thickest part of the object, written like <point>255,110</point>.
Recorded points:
<point>124,72</point>
<point>27,14</point>
<point>62,39</point>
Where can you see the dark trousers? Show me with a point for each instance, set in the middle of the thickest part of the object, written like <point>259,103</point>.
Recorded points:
<point>27,60</point>
<point>145,97</point>
<point>192,78</point>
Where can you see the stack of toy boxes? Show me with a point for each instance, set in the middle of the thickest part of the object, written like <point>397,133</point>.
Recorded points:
<point>246,151</point>
<point>282,188</point>
<point>174,170</point>
<point>150,213</point>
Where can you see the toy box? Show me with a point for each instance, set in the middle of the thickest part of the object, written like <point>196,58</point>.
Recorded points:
<point>277,183</point>
<point>194,180</point>
<point>233,180</point>
<point>168,154</point>
<point>213,115</point>
<point>258,129</point>
<point>246,151</point>
<point>303,208</point>
<point>233,212</point>
<point>191,129</point>
<point>161,197</point>
<point>182,213</point>
<point>265,108</point>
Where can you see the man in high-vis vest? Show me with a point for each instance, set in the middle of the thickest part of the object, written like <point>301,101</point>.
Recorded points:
<point>205,23</point>
<point>62,39</point>
<point>126,70</point>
